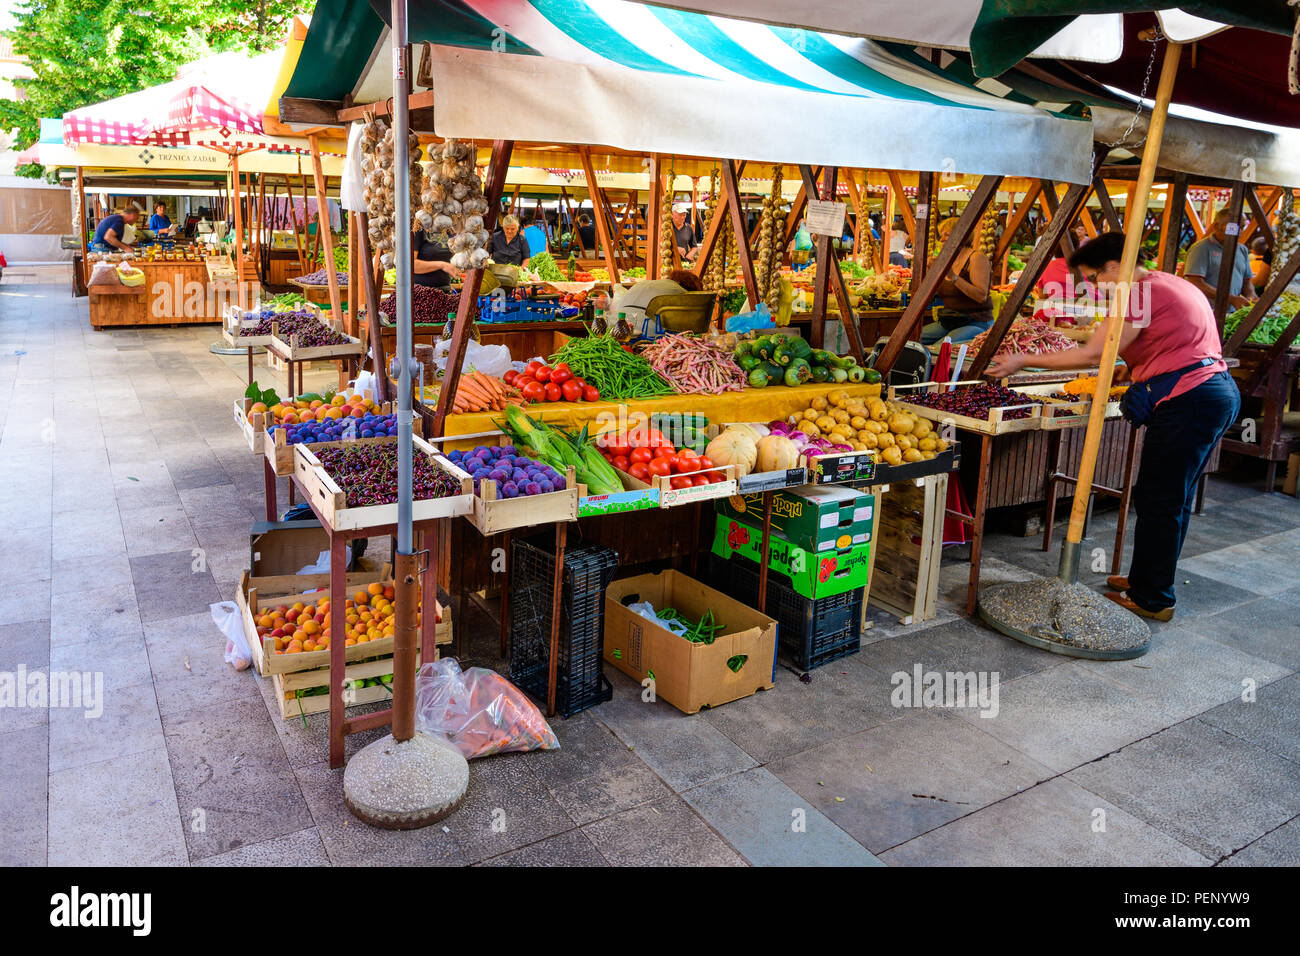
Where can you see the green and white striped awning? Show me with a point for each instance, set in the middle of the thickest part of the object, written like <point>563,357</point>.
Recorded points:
<point>650,79</point>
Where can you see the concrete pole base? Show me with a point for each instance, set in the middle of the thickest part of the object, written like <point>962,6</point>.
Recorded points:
<point>405,785</point>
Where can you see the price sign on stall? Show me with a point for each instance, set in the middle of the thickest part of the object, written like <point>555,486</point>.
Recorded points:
<point>825,218</point>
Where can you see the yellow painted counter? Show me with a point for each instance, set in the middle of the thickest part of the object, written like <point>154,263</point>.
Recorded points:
<point>751,405</point>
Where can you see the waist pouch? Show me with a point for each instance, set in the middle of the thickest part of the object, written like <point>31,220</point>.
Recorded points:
<point>1139,402</point>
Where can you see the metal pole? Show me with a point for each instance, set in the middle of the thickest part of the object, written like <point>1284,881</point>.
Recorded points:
<point>404,649</point>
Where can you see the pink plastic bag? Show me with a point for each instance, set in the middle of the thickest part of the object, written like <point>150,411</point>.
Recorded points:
<point>478,711</point>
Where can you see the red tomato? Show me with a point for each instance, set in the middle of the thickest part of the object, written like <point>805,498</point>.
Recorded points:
<point>716,476</point>
<point>580,380</point>
<point>687,463</point>
<point>662,452</point>
<point>553,392</point>
<point>621,463</point>
<point>620,447</point>
<point>534,392</point>
<point>640,471</point>
<point>680,481</point>
<point>660,466</point>
<point>687,453</point>
<point>700,480</point>
<point>509,377</point>
<point>590,393</point>
<point>532,367</point>
<point>705,463</point>
<point>572,391</point>
<point>640,454</point>
<point>542,374</point>
<point>561,374</point>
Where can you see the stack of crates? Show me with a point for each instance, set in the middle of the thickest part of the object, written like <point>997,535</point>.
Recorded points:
<point>580,680</point>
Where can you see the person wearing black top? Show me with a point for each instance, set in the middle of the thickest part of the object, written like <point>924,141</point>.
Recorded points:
<point>509,247</point>
<point>432,261</point>
<point>587,233</point>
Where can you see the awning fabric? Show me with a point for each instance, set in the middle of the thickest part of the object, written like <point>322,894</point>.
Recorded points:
<point>653,80</point>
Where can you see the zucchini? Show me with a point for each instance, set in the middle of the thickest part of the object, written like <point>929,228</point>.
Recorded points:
<point>820,374</point>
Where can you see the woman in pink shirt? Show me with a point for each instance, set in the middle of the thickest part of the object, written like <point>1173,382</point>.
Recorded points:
<point>1170,344</point>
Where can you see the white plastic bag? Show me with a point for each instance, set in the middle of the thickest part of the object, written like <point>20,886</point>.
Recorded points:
<point>491,360</point>
<point>365,382</point>
<point>647,610</point>
<point>322,565</point>
<point>104,273</point>
<point>226,616</point>
<point>478,711</point>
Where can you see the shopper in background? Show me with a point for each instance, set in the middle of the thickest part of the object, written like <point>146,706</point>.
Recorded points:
<point>684,233</point>
<point>110,235</point>
<point>1202,266</point>
<point>535,235</point>
<point>1261,263</point>
<point>587,236</point>
<point>1170,344</point>
<point>509,247</point>
<point>898,240</point>
<point>967,306</point>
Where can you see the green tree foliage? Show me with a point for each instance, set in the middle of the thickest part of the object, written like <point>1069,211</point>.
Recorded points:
<point>87,51</point>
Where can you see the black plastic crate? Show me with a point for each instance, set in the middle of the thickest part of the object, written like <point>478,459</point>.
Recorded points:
<point>810,632</point>
<point>579,677</point>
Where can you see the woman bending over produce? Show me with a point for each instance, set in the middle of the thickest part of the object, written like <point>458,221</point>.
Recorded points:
<point>1171,345</point>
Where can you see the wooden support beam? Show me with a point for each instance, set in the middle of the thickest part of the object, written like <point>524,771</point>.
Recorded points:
<point>731,179</point>
<point>1198,228</point>
<point>81,214</point>
<point>301,111</point>
<point>1074,198</point>
<point>1259,213</point>
<point>855,200</point>
<point>1017,219</point>
<point>1089,227</point>
<point>829,278</point>
<point>886,230</point>
<point>712,232</point>
<point>1176,200</point>
<point>1228,257</point>
<point>348,113</point>
<point>904,206</point>
<point>239,236</point>
<point>383,390</point>
<point>1052,204</point>
<point>1276,286</point>
<point>926,196</point>
<point>653,217</point>
<point>323,228</point>
<point>1110,216</point>
<point>467,308</point>
<point>911,321</point>
<point>598,213</point>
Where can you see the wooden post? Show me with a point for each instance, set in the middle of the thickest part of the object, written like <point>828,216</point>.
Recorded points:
<point>1276,286</point>
<point>1017,219</point>
<point>81,214</point>
<point>732,180</point>
<point>1228,256</point>
<point>905,207</point>
<point>926,197</point>
<point>886,229</point>
<point>323,227</point>
<point>1176,199</point>
<point>653,202</point>
<point>240,285</point>
<point>1134,220</point>
<point>1259,213</point>
<point>713,232</point>
<point>598,213</point>
<point>1107,206</point>
<point>1198,228</point>
<point>957,240</point>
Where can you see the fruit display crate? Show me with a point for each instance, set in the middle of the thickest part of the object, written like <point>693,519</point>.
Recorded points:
<point>996,424</point>
<point>279,453</point>
<point>304,693</point>
<point>1063,412</point>
<point>945,461</point>
<point>492,514</point>
<point>321,490</point>
<point>251,425</point>
<point>232,321</point>
<point>670,497</point>
<point>256,592</point>
<point>580,680</point>
<point>810,633</point>
<point>289,350</point>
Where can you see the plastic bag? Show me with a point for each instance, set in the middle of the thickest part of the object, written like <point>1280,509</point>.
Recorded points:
<point>491,360</point>
<point>322,565</point>
<point>478,711</point>
<point>226,616</point>
<point>365,383</point>
<point>104,273</point>
<point>760,318</point>
<point>647,610</point>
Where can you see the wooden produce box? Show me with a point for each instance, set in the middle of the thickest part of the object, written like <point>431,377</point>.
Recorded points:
<point>996,424</point>
<point>291,351</point>
<point>492,515</point>
<point>253,430</point>
<point>1064,413</point>
<point>670,497</point>
<point>908,539</point>
<point>232,321</point>
<point>289,686</point>
<point>321,489</point>
<point>279,453</point>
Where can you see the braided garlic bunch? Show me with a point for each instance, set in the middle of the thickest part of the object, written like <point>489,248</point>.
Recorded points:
<point>1287,233</point>
<point>377,158</point>
<point>667,238</point>
<point>989,232</point>
<point>453,200</point>
<point>766,264</point>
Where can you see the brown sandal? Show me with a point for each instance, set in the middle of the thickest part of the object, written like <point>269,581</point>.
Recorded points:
<point>1125,602</point>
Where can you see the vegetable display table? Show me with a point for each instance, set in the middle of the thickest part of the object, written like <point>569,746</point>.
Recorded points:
<point>1266,406</point>
<point>175,292</point>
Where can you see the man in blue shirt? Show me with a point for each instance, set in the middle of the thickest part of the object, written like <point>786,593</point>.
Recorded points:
<point>108,235</point>
<point>159,222</point>
<point>1203,258</point>
<point>535,236</point>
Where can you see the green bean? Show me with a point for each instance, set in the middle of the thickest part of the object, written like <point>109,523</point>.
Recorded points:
<point>616,373</point>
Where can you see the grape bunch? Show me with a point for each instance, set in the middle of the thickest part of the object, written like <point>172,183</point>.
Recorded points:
<point>339,429</point>
<point>975,401</point>
<point>367,474</point>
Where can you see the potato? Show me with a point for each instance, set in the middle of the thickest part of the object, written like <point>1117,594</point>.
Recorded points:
<point>927,455</point>
<point>912,455</point>
<point>808,428</point>
<point>859,446</point>
<point>877,427</point>
<point>900,423</point>
<point>858,410</point>
<point>811,414</point>
<point>941,444</point>
<point>928,443</point>
<point>885,440</point>
<point>858,422</point>
<point>818,404</point>
<point>922,427</point>
<point>841,415</point>
<point>878,409</point>
<point>868,439</point>
<point>825,423</point>
<point>904,442</point>
<point>892,455</point>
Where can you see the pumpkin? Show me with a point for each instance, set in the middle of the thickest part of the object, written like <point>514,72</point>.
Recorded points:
<point>776,453</point>
<point>734,447</point>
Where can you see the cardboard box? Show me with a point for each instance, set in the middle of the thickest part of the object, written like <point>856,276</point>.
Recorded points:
<point>687,675</point>
<point>812,574</point>
<point>814,517</point>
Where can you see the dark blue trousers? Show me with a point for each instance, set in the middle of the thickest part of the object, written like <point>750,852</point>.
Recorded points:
<point>1179,439</point>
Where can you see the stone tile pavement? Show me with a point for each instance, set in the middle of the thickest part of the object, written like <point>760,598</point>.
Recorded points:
<point>119,467</point>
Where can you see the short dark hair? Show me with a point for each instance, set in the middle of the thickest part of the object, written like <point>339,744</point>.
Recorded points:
<point>687,279</point>
<point>160,205</point>
<point>1095,253</point>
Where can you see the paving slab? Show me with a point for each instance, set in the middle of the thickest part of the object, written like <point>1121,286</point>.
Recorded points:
<point>123,659</point>
<point>96,613</point>
<point>25,757</point>
<point>505,808</point>
<point>72,574</point>
<point>157,530</point>
<point>1270,721</point>
<point>572,848</point>
<point>114,722</point>
<point>171,585</point>
<point>1280,847</point>
<point>1267,628</point>
<point>886,785</point>
<point>961,645</point>
<point>664,833</point>
<point>1057,823</point>
<point>24,645</point>
<point>233,784</point>
<point>771,825</point>
<point>119,812</point>
<point>1249,567</point>
<point>186,655</point>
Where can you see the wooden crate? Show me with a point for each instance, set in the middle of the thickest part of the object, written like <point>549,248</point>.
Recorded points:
<point>492,515</point>
<point>907,546</point>
<point>279,453</point>
<point>253,430</point>
<point>232,321</point>
<point>996,424</point>
<point>288,686</point>
<point>290,351</point>
<point>255,592</point>
<point>1061,412</point>
<point>321,489</point>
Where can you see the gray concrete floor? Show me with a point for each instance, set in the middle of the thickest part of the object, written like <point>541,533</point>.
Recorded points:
<point>120,465</point>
